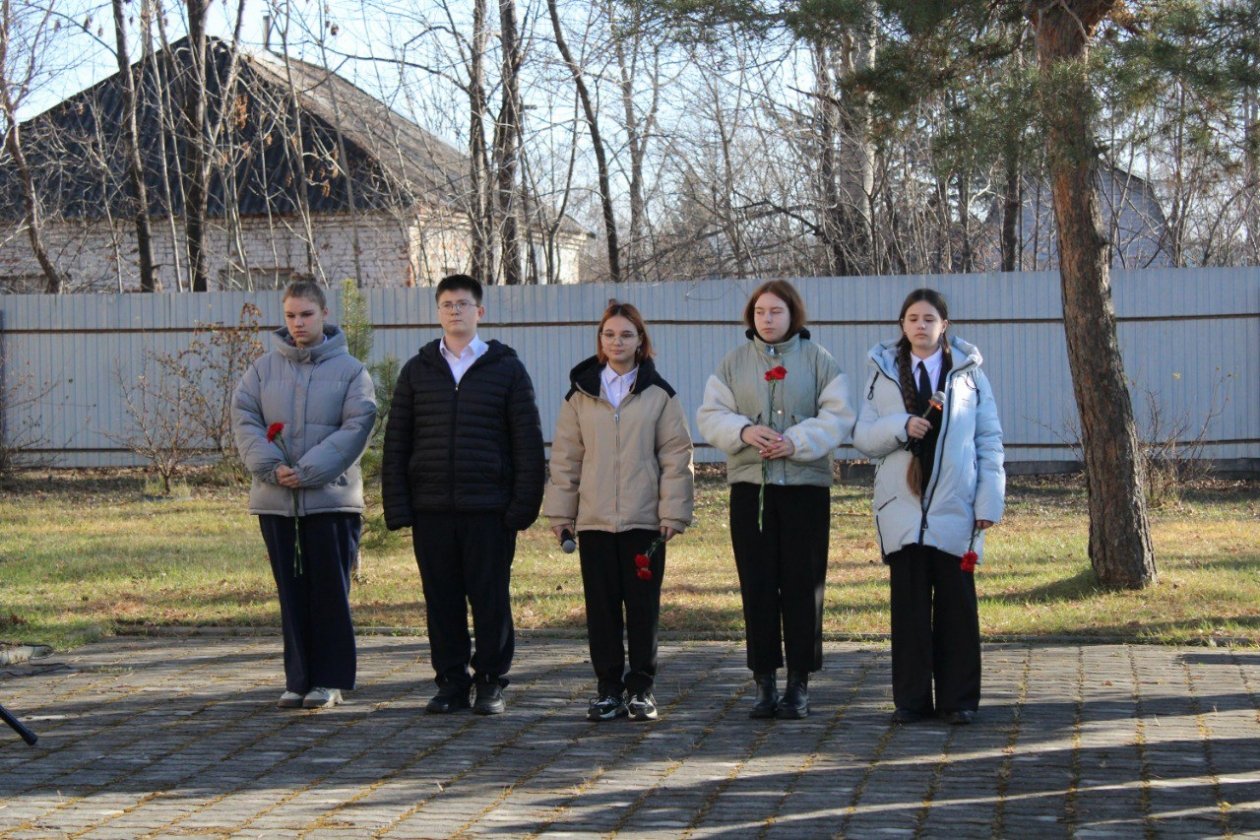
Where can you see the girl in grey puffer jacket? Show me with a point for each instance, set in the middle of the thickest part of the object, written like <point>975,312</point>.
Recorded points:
<point>301,416</point>
<point>939,483</point>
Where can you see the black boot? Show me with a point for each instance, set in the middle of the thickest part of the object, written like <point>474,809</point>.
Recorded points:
<point>795,702</point>
<point>767,696</point>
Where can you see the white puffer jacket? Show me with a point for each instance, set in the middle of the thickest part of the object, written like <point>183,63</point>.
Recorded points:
<point>968,480</point>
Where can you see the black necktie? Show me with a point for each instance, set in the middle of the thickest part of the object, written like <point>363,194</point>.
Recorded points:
<point>925,387</point>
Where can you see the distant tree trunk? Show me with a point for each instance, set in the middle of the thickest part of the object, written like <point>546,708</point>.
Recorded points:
<point>597,144</point>
<point>165,130</point>
<point>966,259</point>
<point>507,135</point>
<point>196,172</point>
<point>1119,533</point>
<point>832,216</point>
<point>292,125</point>
<point>1012,201</point>
<point>1251,145</point>
<point>342,163</point>
<point>857,150</point>
<point>135,164</point>
<point>10,93</point>
<point>53,281</point>
<point>479,227</point>
<point>628,41</point>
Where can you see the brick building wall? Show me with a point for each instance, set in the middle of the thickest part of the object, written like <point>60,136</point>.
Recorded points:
<point>262,253</point>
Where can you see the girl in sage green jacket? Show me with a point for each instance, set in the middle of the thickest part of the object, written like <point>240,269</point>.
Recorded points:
<point>778,406</point>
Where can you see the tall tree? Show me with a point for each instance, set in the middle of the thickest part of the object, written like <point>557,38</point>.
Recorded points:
<point>481,225</point>
<point>197,156</point>
<point>138,195</point>
<point>591,112</point>
<point>1119,533</point>
<point>28,25</point>
<point>507,144</point>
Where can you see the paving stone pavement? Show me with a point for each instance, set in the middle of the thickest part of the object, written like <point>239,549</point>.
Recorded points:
<point>162,737</point>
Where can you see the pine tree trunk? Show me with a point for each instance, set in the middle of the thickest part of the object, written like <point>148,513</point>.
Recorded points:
<point>1119,533</point>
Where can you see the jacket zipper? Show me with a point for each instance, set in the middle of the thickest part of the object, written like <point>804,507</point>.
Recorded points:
<point>617,462</point>
<point>940,448</point>
<point>450,449</point>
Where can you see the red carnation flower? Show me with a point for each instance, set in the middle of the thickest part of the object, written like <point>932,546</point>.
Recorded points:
<point>968,563</point>
<point>273,431</point>
<point>776,374</point>
<point>642,562</point>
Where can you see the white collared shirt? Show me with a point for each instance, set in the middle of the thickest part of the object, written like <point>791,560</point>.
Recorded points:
<point>461,363</point>
<point>933,365</point>
<point>616,386</point>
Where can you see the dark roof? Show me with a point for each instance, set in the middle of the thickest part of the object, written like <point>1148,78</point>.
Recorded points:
<point>77,149</point>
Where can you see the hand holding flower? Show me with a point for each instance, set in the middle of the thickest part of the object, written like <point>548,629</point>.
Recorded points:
<point>286,476</point>
<point>773,448</point>
<point>782,448</point>
<point>643,562</point>
<point>970,557</point>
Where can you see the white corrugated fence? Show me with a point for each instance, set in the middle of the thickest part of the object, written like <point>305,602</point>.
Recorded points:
<point>1191,338</point>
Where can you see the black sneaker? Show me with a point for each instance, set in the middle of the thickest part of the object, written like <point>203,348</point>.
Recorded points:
<point>642,706</point>
<point>606,707</point>
<point>489,699</point>
<point>450,698</point>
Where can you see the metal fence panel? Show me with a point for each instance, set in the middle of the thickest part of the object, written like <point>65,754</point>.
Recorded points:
<point>1190,340</point>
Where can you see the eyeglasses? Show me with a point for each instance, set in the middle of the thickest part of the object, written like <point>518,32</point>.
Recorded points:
<point>450,306</point>
<point>613,338</point>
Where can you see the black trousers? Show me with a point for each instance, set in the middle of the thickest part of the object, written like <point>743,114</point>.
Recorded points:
<point>315,605</point>
<point>782,572</point>
<point>465,560</point>
<point>611,583</point>
<point>935,631</point>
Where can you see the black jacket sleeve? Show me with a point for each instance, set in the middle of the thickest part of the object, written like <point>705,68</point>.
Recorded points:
<point>528,460</point>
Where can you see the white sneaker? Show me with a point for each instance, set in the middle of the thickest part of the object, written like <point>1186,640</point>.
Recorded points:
<point>289,700</point>
<point>321,698</point>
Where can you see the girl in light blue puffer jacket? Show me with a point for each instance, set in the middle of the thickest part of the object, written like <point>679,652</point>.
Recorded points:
<point>929,422</point>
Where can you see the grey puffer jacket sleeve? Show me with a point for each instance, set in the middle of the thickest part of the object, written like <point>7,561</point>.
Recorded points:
<point>326,400</point>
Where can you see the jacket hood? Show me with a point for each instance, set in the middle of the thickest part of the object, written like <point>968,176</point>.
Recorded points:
<point>334,344</point>
<point>884,356</point>
<point>585,377</point>
<point>780,347</point>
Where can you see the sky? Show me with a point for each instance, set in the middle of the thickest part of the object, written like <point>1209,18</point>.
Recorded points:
<point>81,50</point>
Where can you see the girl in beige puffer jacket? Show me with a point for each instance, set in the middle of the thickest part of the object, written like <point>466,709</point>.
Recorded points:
<point>622,477</point>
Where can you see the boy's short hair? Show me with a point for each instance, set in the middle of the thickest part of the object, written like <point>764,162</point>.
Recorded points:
<point>459,283</point>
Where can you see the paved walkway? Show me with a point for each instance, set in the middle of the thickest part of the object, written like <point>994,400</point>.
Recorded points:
<point>178,738</point>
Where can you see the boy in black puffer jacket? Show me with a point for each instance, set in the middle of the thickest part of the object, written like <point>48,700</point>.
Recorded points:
<point>463,465</point>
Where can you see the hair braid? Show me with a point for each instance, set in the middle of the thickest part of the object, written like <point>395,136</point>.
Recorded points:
<point>909,392</point>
